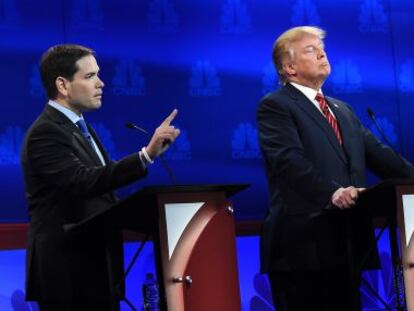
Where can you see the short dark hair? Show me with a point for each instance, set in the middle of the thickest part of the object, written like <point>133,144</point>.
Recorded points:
<point>60,61</point>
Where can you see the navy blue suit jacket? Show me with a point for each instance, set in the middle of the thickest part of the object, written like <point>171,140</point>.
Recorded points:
<point>65,183</point>
<point>305,165</point>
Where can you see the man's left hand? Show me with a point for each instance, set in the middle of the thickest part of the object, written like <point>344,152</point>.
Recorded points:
<point>346,197</point>
<point>163,136</point>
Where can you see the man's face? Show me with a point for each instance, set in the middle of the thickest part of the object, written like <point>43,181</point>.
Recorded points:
<point>310,65</point>
<point>84,92</point>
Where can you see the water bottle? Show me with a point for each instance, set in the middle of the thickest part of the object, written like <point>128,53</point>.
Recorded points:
<point>151,293</point>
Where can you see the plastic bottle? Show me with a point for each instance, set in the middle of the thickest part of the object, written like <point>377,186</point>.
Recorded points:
<point>151,294</point>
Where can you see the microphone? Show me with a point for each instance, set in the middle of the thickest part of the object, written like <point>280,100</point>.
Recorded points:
<point>384,137</point>
<point>133,126</point>
<point>374,120</point>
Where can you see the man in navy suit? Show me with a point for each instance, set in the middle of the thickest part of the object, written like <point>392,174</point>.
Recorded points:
<point>69,176</point>
<point>315,151</point>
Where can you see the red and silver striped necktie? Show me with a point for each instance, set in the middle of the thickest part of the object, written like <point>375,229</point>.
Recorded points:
<point>329,117</point>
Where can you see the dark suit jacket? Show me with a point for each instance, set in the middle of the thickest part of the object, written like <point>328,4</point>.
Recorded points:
<point>305,165</point>
<point>66,182</point>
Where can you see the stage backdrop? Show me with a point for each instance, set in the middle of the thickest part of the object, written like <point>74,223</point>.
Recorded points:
<point>211,59</point>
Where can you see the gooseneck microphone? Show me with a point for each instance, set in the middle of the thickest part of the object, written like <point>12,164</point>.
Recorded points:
<point>374,120</point>
<point>384,137</point>
<point>133,126</point>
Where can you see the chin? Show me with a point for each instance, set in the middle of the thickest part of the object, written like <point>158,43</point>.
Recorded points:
<point>97,105</point>
<point>94,106</point>
<point>326,73</point>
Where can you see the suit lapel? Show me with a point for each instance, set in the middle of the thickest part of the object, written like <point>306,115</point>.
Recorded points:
<point>309,108</point>
<point>87,146</point>
<point>99,144</point>
<point>61,119</point>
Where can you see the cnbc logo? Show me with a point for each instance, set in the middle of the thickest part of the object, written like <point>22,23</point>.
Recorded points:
<point>128,79</point>
<point>10,142</point>
<point>181,149</point>
<point>204,80</point>
<point>244,143</point>
<point>235,18</point>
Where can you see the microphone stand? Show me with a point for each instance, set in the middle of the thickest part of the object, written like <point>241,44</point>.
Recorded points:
<point>161,156</point>
<point>396,260</point>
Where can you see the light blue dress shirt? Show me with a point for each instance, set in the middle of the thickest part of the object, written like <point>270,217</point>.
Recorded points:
<point>75,118</point>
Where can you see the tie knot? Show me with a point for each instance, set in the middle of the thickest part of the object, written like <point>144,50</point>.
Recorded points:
<point>82,125</point>
<point>322,102</point>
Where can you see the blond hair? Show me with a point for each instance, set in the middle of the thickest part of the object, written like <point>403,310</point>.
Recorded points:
<point>282,46</point>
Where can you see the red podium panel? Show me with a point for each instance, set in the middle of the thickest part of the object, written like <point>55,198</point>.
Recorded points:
<point>394,200</point>
<point>193,230</point>
<point>199,264</point>
<point>405,225</point>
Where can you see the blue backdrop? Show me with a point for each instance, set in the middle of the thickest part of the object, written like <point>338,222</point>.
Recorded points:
<point>211,59</point>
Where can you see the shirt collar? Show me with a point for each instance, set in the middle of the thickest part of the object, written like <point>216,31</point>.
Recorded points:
<point>307,91</point>
<point>67,112</point>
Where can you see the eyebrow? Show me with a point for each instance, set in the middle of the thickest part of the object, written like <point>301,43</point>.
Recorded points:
<point>321,44</point>
<point>91,73</point>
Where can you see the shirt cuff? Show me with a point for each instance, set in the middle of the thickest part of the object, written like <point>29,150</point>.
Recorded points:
<point>144,159</point>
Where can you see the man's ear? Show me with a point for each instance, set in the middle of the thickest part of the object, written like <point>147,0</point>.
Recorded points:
<point>62,85</point>
<point>290,68</point>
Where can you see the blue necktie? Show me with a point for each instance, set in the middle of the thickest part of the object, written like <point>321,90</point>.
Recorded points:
<point>82,125</point>
<point>84,129</point>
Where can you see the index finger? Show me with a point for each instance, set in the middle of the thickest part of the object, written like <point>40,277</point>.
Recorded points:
<point>170,118</point>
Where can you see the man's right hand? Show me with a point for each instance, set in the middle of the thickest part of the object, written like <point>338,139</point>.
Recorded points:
<point>346,197</point>
<point>163,136</point>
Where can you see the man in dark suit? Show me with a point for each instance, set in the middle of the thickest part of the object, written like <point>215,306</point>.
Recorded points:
<point>315,151</point>
<point>68,177</point>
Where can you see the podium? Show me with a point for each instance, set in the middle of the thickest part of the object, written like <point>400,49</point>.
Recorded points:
<point>393,200</point>
<point>193,231</point>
